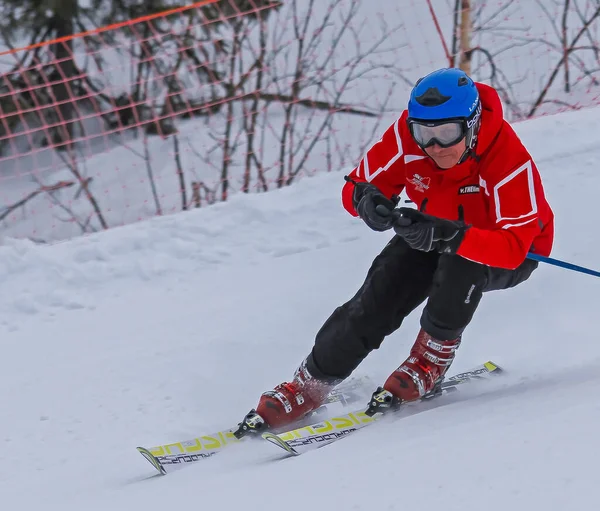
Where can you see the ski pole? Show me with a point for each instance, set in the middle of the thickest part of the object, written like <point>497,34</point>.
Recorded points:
<point>563,264</point>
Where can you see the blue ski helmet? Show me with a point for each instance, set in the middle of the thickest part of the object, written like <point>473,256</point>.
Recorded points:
<point>445,96</point>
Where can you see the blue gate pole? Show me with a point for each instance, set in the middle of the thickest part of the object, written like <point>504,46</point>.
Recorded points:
<point>563,264</point>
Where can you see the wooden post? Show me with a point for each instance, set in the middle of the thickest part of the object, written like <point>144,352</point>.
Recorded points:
<point>196,200</point>
<point>466,28</point>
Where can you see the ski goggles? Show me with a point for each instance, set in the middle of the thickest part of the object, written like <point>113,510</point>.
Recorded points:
<point>443,133</point>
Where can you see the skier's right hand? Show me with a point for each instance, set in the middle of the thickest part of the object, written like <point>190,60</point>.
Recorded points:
<point>373,207</point>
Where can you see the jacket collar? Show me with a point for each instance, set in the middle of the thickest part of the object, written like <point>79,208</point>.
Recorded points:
<point>491,117</point>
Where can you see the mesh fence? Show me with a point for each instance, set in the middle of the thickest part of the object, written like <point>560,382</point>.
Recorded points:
<point>180,110</point>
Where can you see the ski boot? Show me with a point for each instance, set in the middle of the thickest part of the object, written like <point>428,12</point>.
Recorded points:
<point>419,377</point>
<point>287,403</point>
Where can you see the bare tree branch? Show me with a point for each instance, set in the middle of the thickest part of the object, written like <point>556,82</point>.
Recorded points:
<point>568,50</point>
<point>150,172</point>
<point>71,163</point>
<point>42,189</point>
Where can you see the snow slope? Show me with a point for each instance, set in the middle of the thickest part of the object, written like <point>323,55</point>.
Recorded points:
<point>162,330</point>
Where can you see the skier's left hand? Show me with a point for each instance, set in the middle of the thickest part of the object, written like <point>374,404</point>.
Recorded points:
<point>425,232</point>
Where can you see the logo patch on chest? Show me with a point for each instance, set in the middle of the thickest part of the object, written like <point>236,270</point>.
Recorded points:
<point>464,190</point>
<point>421,183</point>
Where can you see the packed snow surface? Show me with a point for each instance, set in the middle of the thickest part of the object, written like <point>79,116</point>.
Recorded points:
<point>171,328</point>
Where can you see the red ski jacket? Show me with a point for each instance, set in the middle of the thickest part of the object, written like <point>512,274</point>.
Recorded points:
<point>500,190</point>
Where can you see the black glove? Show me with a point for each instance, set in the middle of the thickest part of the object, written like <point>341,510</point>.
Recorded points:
<point>373,207</point>
<point>425,232</point>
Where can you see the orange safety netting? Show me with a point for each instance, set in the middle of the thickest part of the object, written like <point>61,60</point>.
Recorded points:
<point>180,109</point>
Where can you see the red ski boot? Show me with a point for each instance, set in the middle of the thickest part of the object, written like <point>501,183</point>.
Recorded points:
<point>287,402</point>
<point>425,367</point>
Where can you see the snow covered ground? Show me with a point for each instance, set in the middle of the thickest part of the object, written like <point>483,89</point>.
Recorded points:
<point>163,330</point>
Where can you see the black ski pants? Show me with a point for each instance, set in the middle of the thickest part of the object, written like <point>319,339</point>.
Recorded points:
<point>399,280</point>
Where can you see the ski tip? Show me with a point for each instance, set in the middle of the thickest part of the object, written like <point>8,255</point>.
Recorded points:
<point>493,368</point>
<point>152,459</point>
<point>275,440</point>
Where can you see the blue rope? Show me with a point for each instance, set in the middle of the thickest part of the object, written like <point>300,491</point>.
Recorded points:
<point>563,264</point>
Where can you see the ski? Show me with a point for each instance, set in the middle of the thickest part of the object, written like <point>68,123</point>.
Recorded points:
<point>306,438</point>
<point>167,457</point>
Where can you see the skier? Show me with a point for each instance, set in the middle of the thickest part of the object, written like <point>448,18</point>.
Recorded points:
<point>481,209</point>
